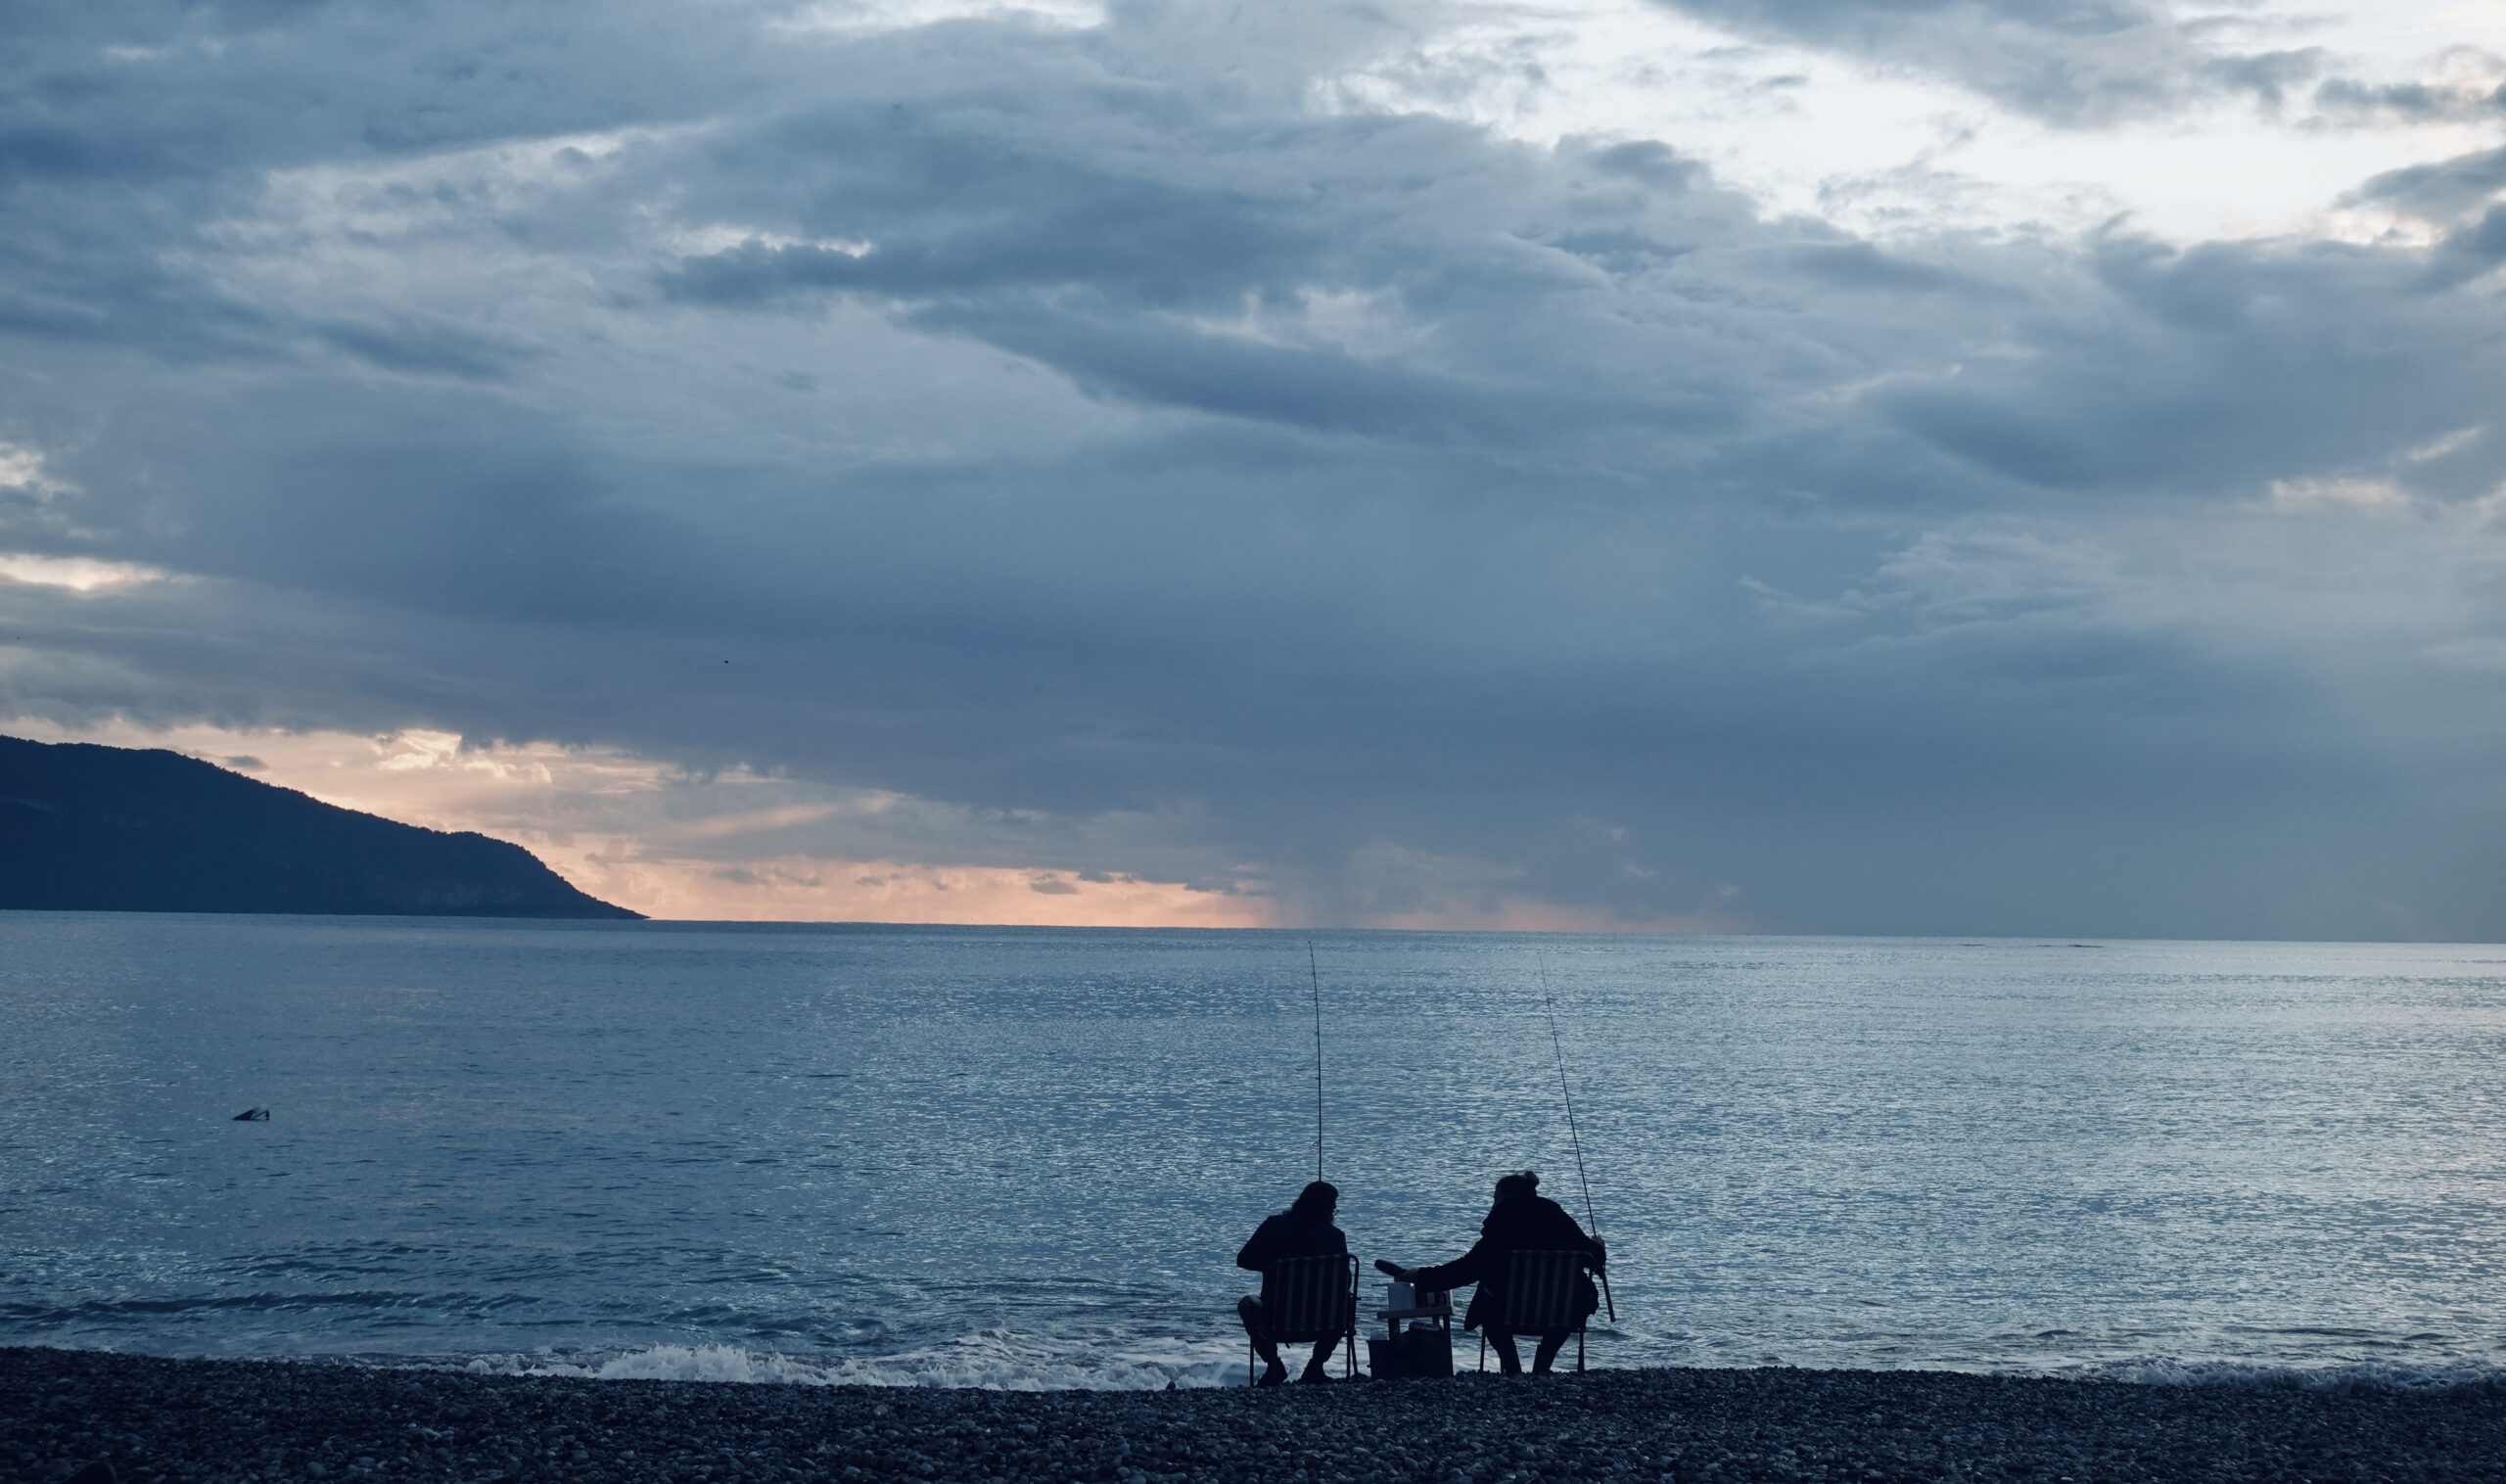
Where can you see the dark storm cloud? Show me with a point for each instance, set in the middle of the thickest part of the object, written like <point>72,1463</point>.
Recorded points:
<point>2472,253</point>
<point>1111,279</point>
<point>127,130</point>
<point>958,215</point>
<point>1065,424</point>
<point>2226,364</point>
<point>2439,192</point>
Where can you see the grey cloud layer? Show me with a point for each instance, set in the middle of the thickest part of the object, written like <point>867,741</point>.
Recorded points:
<point>1071,422</point>
<point>2104,62</point>
<point>2073,63</point>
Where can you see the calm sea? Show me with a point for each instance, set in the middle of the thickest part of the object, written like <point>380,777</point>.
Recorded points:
<point>1025,1157</point>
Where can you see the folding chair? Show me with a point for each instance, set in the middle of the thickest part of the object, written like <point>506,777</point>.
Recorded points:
<point>1540,1296</point>
<point>1305,1300</point>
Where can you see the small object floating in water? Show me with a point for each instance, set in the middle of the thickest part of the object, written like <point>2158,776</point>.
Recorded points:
<point>252,1116</point>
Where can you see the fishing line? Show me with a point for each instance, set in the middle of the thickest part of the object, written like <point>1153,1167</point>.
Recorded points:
<point>1315,974</point>
<point>1572,1133</point>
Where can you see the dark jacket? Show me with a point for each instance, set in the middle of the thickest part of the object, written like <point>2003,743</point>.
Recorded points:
<point>1526,1223</point>
<point>1289,1235</point>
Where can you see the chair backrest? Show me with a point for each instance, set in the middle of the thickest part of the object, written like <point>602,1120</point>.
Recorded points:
<point>1541,1288</point>
<point>1306,1298</point>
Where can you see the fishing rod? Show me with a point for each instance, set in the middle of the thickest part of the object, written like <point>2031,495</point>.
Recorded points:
<point>1315,974</point>
<point>1572,1133</point>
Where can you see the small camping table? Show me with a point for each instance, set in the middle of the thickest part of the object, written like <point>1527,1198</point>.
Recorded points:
<point>1410,1349</point>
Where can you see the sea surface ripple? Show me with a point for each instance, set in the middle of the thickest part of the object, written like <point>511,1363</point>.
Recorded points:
<point>1025,1157</point>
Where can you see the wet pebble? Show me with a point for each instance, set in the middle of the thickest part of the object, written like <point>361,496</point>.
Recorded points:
<point>160,1419</point>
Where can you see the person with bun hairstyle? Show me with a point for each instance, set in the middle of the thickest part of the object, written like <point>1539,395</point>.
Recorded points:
<point>1521,1220</point>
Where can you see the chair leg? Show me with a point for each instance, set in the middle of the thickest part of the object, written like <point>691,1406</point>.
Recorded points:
<point>1579,1350</point>
<point>1483,1349</point>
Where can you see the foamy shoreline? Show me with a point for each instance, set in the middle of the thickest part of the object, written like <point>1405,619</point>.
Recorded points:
<point>171,1419</point>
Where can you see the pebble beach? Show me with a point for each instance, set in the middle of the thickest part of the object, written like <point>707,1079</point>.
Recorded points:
<point>196,1419</point>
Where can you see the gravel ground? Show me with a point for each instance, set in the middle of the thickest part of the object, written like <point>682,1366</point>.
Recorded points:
<point>247,1419</point>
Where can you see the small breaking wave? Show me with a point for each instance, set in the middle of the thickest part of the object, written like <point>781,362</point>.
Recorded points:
<point>1006,1360</point>
<point>991,1359</point>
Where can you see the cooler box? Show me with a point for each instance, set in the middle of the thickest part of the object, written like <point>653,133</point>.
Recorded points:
<point>1425,1350</point>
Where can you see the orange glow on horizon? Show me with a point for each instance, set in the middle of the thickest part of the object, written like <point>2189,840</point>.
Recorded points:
<point>641,834</point>
<point>598,818</point>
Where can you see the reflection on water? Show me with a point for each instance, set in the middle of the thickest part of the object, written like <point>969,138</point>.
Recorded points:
<point>1027,1158</point>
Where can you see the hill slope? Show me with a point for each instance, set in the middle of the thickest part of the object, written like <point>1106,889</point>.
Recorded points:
<point>86,828</point>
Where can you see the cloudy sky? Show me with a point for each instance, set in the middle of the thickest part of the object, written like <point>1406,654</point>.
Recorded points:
<point>1909,466</point>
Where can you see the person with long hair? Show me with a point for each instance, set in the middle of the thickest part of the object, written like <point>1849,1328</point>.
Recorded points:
<point>1521,1219</point>
<point>1303,1230</point>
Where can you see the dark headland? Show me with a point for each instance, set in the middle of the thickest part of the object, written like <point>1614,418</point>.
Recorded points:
<point>161,1420</point>
<point>116,829</point>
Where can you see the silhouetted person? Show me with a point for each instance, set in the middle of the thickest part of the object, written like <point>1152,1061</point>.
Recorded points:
<point>1521,1220</point>
<point>1303,1230</point>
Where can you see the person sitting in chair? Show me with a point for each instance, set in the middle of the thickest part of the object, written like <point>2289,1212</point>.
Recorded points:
<point>1303,1230</point>
<point>1521,1220</point>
